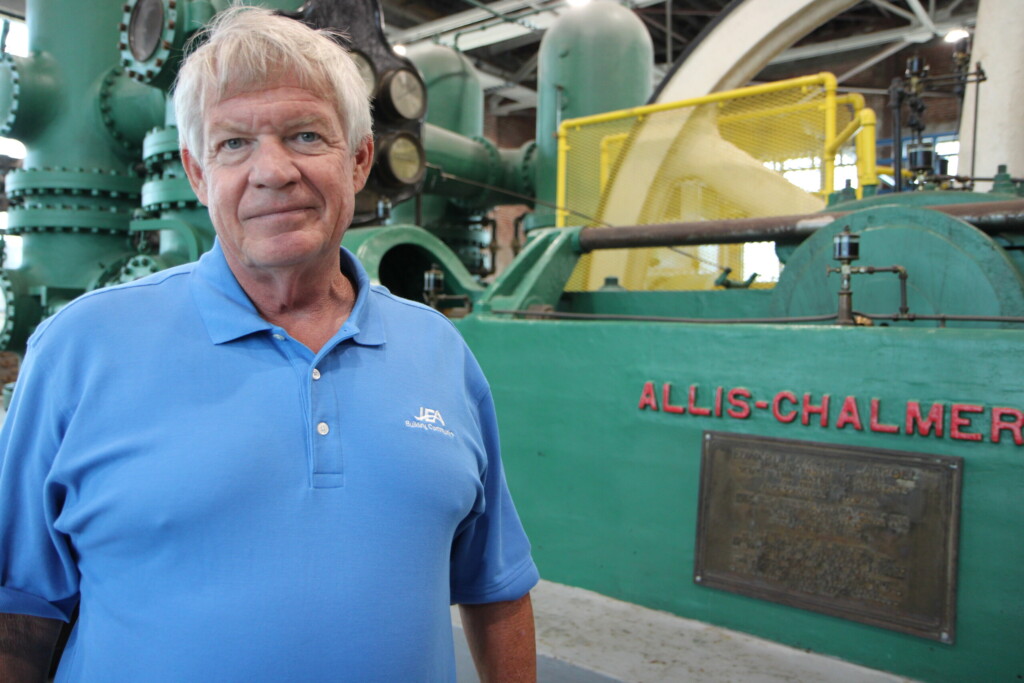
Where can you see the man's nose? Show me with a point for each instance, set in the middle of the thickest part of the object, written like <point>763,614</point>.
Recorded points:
<point>272,165</point>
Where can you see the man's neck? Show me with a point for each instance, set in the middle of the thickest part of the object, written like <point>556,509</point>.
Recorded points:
<point>311,306</point>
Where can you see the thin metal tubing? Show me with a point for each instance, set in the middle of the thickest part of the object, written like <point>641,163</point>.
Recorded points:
<point>911,317</point>
<point>565,315</point>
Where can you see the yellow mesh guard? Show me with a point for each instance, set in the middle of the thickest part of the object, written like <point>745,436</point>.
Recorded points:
<point>714,157</point>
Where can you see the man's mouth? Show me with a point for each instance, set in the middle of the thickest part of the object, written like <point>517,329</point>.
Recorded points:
<point>277,211</point>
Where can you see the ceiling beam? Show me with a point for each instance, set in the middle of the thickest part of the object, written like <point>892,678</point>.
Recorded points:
<point>448,29</point>
<point>912,33</point>
<point>874,59</point>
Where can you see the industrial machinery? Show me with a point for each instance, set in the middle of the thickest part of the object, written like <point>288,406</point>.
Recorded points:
<point>833,462</point>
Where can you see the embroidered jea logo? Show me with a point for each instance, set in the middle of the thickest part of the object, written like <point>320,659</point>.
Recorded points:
<point>430,415</point>
<point>431,420</point>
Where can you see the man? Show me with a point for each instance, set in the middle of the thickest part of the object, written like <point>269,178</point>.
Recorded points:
<point>259,466</point>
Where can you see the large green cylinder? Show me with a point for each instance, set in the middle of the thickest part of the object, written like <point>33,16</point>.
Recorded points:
<point>595,59</point>
<point>456,96</point>
<point>79,42</point>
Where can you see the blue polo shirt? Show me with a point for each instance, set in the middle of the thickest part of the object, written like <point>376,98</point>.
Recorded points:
<point>226,505</point>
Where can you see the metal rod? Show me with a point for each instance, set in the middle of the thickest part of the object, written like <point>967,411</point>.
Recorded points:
<point>974,123</point>
<point>992,217</point>
<point>887,52</point>
<point>944,318</point>
<point>566,315</point>
<point>668,31</point>
<point>613,317</point>
<point>923,16</point>
<point>909,16</point>
<point>896,104</point>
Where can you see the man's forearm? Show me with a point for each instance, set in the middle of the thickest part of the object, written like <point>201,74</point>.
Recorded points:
<point>26,646</point>
<point>501,640</point>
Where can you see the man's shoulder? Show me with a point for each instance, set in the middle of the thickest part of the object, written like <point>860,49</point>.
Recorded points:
<point>413,328</point>
<point>128,304</point>
<point>396,309</point>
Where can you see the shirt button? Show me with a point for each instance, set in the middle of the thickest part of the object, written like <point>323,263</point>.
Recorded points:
<point>279,337</point>
<point>316,374</point>
<point>322,429</point>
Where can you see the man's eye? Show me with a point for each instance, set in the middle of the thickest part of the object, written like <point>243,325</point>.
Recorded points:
<point>308,136</point>
<point>233,143</point>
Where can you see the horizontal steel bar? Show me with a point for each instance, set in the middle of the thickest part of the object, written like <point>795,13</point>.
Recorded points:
<point>1002,216</point>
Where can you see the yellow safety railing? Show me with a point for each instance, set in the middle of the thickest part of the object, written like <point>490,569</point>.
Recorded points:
<point>705,158</point>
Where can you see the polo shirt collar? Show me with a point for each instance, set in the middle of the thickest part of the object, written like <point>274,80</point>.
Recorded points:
<point>228,313</point>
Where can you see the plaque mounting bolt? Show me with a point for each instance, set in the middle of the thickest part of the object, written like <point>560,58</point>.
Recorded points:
<point>945,637</point>
<point>697,578</point>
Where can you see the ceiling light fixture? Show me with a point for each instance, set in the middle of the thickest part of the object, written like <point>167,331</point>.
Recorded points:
<point>956,35</point>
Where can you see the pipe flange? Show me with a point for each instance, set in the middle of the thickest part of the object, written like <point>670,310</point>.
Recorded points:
<point>526,168</point>
<point>153,33</point>
<point>7,322</point>
<point>494,168</point>
<point>106,110</point>
<point>42,218</point>
<point>23,183</point>
<point>13,96</point>
<point>172,192</point>
<point>130,269</point>
<point>160,148</point>
<point>493,173</point>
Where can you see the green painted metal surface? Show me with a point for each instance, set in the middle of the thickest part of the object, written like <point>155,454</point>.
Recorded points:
<point>608,487</point>
<point>538,276</point>
<point>456,96</point>
<point>609,492</point>
<point>576,56</point>
<point>921,199</point>
<point>953,268</point>
<point>82,120</point>
<point>399,255</point>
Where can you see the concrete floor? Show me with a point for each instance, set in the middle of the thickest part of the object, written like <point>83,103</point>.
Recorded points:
<point>584,637</point>
<point>549,670</point>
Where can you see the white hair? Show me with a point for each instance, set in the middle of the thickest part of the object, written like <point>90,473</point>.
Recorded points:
<point>245,49</point>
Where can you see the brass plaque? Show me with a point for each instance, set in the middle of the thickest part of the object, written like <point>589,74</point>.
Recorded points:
<point>864,534</point>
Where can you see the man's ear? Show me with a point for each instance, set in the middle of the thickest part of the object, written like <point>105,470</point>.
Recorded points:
<point>195,175</point>
<point>361,163</point>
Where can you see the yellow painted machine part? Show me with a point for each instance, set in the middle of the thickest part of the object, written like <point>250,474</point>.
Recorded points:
<point>704,158</point>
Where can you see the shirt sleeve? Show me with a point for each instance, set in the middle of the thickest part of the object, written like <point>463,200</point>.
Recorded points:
<point>38,575</point>
<point>491,559</point>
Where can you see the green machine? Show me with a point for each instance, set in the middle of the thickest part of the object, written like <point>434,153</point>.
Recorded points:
<point>834,463</point>
<point>83,120</point>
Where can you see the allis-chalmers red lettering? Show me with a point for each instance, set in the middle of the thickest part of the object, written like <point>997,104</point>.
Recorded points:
<point>961,421</point>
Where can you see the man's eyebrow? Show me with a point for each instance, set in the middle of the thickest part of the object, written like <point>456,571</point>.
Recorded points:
<point>226,127</point>
<point>306,120</point>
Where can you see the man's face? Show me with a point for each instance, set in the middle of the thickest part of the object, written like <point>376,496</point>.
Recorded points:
<point>278,177</point>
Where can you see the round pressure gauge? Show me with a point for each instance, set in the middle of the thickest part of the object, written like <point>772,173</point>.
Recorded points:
<point>403,94</point>
<point>402,161</point>
<point>366,71</point>
<point>145,28</point>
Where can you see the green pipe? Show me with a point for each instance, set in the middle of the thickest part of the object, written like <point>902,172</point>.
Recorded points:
<point>472,171</point>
